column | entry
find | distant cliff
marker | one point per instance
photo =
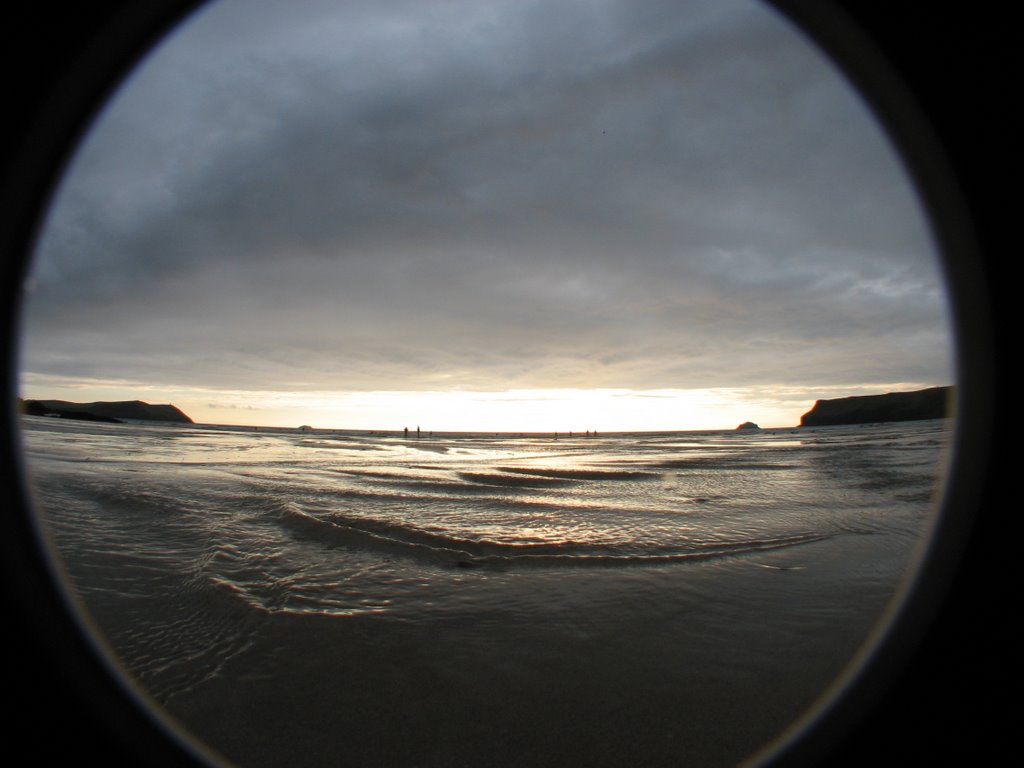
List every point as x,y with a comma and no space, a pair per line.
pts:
934,403
125,410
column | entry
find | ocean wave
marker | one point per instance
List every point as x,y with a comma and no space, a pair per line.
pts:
584,474
623,556
445,548
533,480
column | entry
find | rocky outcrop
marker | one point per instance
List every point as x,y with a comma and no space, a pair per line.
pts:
933,403
125,410
748,425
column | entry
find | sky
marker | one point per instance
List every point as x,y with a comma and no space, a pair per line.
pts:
514,215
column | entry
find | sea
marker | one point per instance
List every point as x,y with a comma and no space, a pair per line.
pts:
317,597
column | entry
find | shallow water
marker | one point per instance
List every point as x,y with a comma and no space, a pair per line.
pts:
648,598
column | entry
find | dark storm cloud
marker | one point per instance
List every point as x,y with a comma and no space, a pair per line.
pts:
418,196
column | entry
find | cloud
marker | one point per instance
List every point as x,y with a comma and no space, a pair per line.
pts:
487,196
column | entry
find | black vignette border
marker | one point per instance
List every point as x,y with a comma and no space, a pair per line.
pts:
955,60
59,65
941,699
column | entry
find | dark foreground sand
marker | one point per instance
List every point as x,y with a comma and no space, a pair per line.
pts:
682,665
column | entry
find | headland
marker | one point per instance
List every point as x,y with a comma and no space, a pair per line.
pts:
114,412
932,403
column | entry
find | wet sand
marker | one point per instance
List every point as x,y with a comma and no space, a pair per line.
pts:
697,665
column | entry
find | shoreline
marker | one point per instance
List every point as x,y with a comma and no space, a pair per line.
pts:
227,576
508,435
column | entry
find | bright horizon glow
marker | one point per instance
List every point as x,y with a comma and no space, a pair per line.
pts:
485,217
521,410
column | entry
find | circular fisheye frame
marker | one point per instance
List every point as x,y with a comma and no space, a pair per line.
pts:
78,697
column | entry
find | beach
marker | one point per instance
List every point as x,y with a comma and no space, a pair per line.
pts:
296,599
621,676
